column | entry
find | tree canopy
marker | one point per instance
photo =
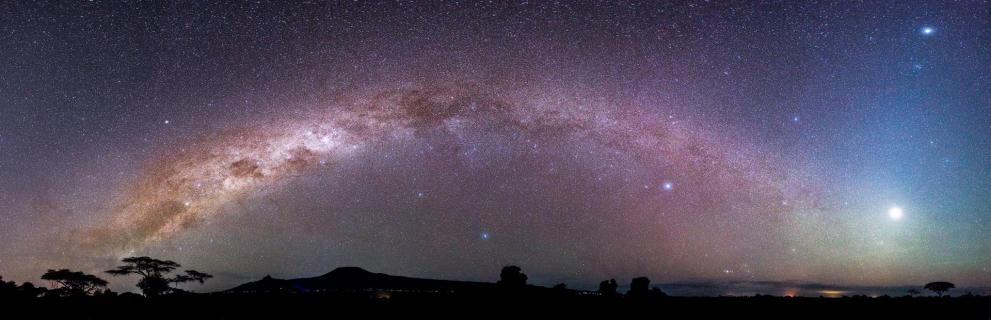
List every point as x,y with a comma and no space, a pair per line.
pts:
154,280
512,276
939,287
144,266
71,283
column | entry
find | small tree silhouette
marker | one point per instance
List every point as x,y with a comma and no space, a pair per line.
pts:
154,281
939,287
607,288
912,292
512,277
29,290
7,286
106,293
73,283
639,288
10,289
656,292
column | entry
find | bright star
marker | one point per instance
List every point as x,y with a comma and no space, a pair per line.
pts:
485,235
927,30
895,213
667,186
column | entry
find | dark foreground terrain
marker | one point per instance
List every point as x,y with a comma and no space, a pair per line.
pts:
351,292
325,306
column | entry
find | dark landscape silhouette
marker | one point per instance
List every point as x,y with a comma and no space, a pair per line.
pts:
347,290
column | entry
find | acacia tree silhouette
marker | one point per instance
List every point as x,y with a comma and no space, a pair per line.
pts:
939,287
191,275
154,281
73,283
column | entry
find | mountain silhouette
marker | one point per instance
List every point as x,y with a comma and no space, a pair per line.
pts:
351,279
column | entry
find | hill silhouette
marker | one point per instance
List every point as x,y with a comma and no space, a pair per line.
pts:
355,279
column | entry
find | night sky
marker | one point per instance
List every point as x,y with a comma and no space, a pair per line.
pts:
730,146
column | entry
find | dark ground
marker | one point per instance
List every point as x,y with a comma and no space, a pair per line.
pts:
493,306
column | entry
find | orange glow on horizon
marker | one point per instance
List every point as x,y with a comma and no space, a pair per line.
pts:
832,293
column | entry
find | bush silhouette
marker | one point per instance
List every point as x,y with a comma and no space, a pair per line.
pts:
607,288
656,292
29,290
512,277
7,286
10,289
639,288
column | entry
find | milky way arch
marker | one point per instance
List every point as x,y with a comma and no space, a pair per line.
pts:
179,191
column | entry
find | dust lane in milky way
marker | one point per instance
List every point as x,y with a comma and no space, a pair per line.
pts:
179,191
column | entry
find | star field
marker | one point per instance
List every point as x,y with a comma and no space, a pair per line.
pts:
803,142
